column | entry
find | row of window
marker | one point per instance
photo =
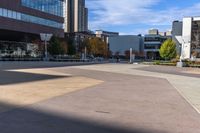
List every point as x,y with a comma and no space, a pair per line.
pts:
154,39
149,46
29,18
54,7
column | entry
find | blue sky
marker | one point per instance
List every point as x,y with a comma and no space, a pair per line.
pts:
137,16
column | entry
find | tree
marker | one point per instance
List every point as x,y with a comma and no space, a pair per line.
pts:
84,45
168,49
58,46
64,47
127,54
97,47
54,47
71,47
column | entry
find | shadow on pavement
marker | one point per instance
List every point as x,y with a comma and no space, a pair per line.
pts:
26,120
8,77
39,64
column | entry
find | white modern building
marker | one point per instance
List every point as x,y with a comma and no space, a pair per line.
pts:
190,38
101,33
104,35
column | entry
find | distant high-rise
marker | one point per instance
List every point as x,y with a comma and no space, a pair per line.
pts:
76,16
177,27
85,19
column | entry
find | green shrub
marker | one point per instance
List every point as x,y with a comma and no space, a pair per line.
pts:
168,50
168,64
175,60
156,63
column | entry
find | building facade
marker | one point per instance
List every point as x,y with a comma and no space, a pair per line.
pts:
76,16
31,16
190,38
177,31
152,44
153,32
103,34
119,45
22,21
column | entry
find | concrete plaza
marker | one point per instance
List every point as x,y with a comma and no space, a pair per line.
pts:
39,97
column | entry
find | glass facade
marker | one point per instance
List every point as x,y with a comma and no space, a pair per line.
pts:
153,42
54,7
29,18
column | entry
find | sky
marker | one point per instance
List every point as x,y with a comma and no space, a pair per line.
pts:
132,17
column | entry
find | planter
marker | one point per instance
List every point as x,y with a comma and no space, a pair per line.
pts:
181,64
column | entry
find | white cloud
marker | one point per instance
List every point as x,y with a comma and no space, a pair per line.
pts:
123,12
118,12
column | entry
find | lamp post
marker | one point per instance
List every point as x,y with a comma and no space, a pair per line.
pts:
131,55
180,46
45,38
85,53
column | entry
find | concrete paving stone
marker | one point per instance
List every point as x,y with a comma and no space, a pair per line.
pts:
123,99
23,94
184,83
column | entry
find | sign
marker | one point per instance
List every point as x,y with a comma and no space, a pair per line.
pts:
45,36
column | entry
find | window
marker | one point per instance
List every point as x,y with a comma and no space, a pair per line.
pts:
14,15
29,18
9,14
54,7
4,12
1,12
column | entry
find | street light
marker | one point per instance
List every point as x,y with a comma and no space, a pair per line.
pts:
85,53
45,38
131,55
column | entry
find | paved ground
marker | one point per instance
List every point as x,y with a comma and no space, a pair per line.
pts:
189,72
108,98
186,84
